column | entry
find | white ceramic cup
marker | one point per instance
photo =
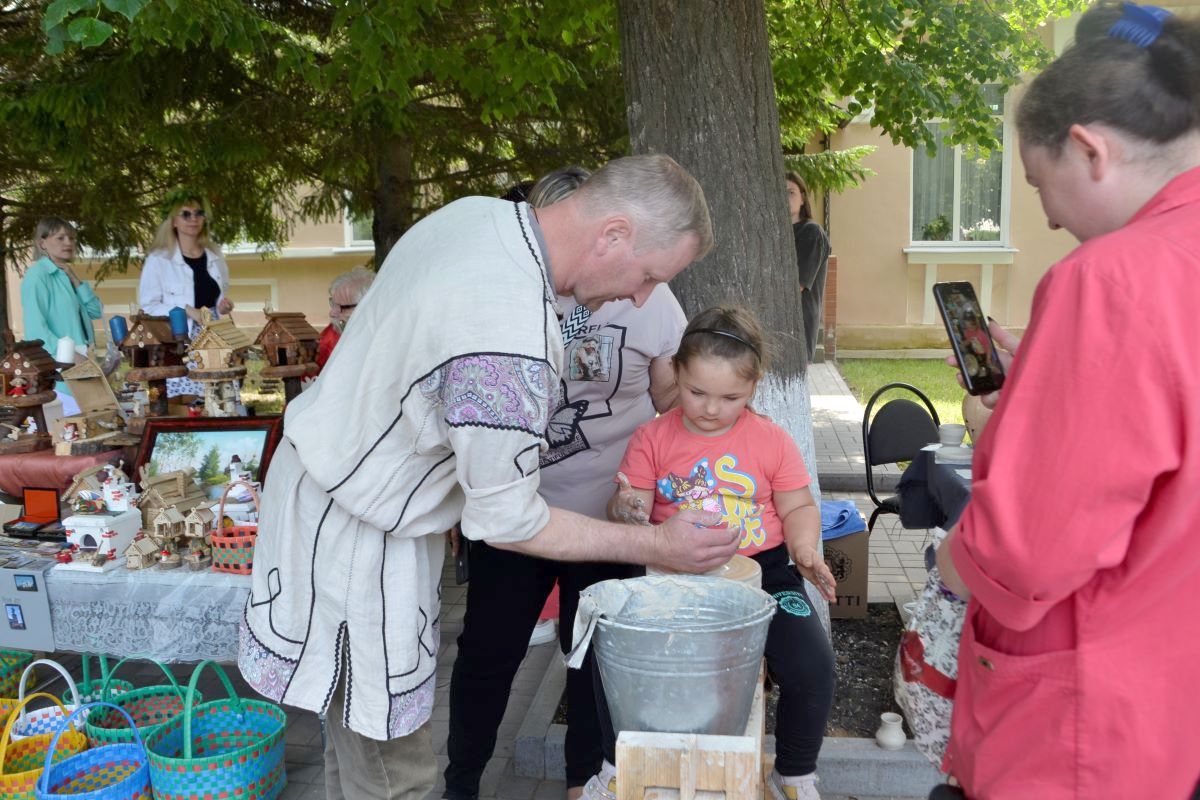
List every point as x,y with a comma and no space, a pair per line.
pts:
951,435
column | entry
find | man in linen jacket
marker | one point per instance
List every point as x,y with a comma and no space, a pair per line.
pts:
433,410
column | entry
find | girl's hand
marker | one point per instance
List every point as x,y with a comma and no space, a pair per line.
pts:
1006,346
627,507
815,570
224,305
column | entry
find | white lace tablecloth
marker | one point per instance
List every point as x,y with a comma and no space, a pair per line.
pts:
175,615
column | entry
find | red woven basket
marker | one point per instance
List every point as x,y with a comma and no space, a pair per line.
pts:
233,547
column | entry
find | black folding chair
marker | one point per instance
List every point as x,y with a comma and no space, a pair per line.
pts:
897,433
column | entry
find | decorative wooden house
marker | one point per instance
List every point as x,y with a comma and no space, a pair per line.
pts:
150,343
90,481
177,490
99,421
287,340
27,377
142,552
168,527
220,345
198,524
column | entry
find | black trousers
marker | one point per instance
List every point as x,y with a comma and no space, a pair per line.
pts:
505,596
800,662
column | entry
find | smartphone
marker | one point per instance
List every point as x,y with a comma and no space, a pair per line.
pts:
978,360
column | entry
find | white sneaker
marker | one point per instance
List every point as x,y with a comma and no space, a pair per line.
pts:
602,785
803,787
543,633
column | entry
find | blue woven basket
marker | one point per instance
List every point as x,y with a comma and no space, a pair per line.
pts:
223,748
111,772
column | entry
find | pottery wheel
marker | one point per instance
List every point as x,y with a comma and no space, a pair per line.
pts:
741,569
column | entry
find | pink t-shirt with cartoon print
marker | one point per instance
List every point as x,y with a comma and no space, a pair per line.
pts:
736,473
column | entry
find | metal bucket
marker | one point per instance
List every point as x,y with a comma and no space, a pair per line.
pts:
680,653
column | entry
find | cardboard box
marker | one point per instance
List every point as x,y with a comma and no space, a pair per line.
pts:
849,560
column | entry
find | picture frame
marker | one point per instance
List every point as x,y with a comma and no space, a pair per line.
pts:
208,445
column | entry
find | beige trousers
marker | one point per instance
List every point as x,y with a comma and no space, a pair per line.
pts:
361,768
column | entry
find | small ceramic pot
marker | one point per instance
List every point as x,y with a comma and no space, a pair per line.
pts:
890,735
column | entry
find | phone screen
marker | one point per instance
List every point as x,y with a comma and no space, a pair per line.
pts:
973,346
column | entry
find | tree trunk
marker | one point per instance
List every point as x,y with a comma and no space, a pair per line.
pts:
5,322
698,87
393,194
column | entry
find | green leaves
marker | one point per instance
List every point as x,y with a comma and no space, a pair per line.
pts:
126,8
89,31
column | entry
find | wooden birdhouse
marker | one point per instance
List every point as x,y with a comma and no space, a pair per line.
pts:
220,345
100,421
168,526
27,376
198,523
288,340
142,552
150,343
177,490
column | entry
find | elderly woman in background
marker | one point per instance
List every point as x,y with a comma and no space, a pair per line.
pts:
55,303
345,292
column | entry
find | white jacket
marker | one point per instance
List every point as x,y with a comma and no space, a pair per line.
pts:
167,281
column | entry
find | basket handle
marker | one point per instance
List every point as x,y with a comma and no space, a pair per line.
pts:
12,720
108,678
44,779
221,512
189,701
66,676
101,659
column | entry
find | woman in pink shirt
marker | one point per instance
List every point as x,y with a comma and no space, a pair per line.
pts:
1078,550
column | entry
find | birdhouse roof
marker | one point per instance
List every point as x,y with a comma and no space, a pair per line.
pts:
90,387
30,357
223,334
201,514
286,326
142,545
88,479
171,514
170,488
147,330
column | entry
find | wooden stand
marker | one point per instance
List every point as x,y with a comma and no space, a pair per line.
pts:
156,378
220,391
688,766
290,374
24,407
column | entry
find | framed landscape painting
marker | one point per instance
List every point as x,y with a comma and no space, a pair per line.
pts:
209,446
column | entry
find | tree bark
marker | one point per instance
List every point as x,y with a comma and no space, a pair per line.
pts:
5,322
698,87
393,194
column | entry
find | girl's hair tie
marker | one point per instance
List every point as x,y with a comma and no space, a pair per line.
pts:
728,334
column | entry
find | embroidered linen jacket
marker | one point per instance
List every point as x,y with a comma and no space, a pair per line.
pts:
432,409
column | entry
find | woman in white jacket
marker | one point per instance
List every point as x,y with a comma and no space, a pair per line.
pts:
184,269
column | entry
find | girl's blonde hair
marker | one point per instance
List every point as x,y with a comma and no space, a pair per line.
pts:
732,333
165,240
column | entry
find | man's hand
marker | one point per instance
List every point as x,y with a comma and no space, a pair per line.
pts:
455,537
627,507
682,546
1006,346
815,570
224,306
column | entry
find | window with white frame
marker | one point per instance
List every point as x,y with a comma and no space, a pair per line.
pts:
958,194
358,230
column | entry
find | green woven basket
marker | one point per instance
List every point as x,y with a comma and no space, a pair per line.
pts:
12,664
151,707
232,747
91,690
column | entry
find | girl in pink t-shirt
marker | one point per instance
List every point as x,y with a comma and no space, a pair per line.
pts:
713,453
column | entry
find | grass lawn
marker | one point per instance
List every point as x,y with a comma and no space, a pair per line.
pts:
931,376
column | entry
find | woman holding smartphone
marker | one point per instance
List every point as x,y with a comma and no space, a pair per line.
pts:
1078,550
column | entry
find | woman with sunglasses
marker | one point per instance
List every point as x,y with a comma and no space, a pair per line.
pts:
184,268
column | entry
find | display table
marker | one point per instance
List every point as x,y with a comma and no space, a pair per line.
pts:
166,615
43,469
932,495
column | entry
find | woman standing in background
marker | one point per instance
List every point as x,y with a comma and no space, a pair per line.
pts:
812,259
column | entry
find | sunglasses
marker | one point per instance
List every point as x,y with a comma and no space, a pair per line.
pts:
187,213
341,307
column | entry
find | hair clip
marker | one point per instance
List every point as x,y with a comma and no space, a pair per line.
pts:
1139,25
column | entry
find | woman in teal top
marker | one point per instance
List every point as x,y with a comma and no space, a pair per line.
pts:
53,299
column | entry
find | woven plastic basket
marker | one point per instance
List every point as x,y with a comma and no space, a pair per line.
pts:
12,664
91,689
149,706
111,772
21,763
231,747
49,719
233,547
